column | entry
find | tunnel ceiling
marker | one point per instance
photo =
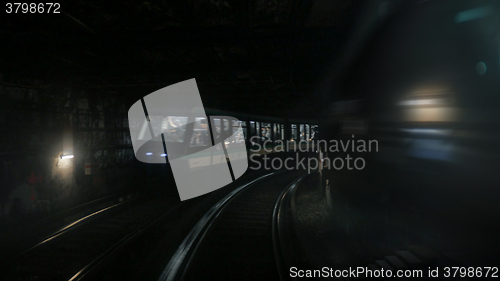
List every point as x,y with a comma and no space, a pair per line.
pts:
261,57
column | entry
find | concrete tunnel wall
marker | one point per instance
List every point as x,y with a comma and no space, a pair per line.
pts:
39,123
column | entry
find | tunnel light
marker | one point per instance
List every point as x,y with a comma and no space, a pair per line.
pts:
67,156
473,14
427,131
421,102
163,155
149,153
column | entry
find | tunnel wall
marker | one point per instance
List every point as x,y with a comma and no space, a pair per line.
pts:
41,122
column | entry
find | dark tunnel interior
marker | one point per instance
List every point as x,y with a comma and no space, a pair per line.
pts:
250,140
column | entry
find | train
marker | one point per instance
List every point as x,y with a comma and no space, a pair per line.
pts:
191,134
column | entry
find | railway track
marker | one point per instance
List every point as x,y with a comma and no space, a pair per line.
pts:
73,252
14,239
242,229
239,238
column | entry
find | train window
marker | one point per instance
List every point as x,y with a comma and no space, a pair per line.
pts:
266,131
172,127
257,130
282,131
236,136
252,129
307,132
236,124
294,132
244,129
217,128
227,130
277,131
314,131
200,136
302,132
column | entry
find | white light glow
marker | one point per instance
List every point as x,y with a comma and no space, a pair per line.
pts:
67,156
163,155
427,131
420,102
149,153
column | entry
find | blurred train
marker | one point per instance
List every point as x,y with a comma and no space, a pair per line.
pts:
426,85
